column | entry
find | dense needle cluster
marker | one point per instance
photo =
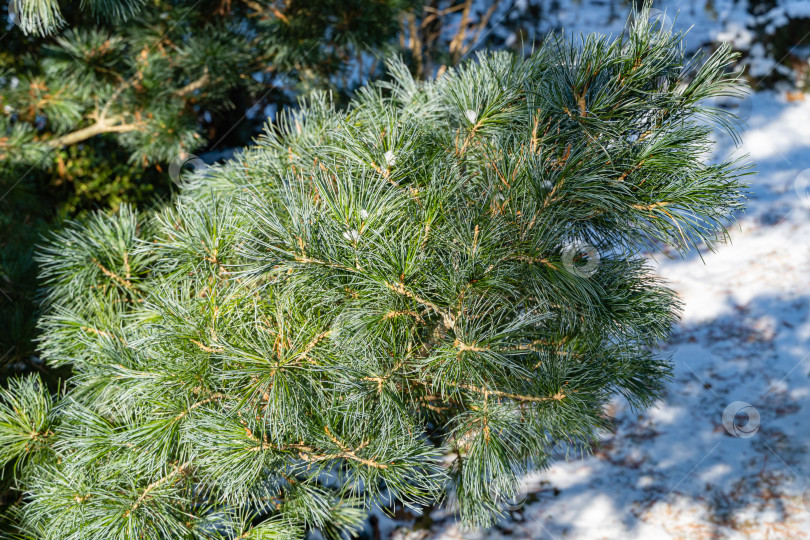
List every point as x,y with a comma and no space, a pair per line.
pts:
417,299
92,114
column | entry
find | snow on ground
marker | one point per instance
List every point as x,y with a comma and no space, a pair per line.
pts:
746,24
708,21
675,471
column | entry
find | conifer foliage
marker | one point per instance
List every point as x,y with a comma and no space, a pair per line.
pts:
163,79
417,299
92,113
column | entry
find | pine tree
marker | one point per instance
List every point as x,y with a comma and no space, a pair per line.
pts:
417,299
92,113
98,97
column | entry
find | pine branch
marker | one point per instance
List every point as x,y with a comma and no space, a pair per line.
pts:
179,469
98,128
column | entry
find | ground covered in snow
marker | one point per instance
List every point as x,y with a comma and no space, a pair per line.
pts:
675,471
